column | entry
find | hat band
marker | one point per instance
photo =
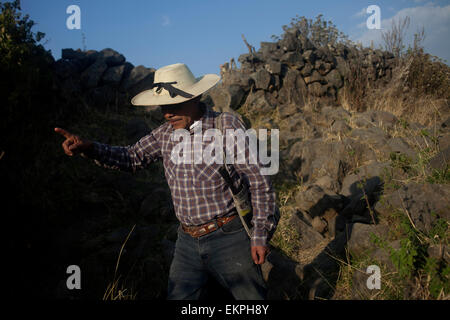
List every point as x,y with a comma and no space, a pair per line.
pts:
173,92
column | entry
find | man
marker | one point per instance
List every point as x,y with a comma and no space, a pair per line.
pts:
211,238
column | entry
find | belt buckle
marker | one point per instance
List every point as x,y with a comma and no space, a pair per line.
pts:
208,228
205,229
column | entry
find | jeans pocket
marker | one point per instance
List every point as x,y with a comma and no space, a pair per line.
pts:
232,227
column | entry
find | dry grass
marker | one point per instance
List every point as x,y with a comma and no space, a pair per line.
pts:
285,237
393,287
403,101
116,289
418,89
419,283
306,256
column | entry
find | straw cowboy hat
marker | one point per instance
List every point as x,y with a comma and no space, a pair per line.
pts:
173,84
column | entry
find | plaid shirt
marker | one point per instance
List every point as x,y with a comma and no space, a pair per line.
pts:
199,192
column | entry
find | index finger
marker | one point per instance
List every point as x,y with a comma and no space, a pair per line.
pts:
63,132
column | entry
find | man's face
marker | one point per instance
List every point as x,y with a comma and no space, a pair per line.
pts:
181,115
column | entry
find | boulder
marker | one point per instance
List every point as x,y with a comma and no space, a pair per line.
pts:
227,98
425,203
113,75
319,224
249,59
262,79
325,54
362,238
274,67
366,180
360,277
293,59
82,59
398,145
441,161
137,75
439,252
375,117
315,77
327,183
358,151
235,77
65,68
373,136
373,169
446,123
286,110
332,113
334,78
257,103
267,48
309,237
90,78
323,67
111,57
315,158
359,191
315,201
317,90
307,70
444,141
343,66
294,127
340,127
310,56
293,89
71,54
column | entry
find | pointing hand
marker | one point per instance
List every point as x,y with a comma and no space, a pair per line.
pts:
73,144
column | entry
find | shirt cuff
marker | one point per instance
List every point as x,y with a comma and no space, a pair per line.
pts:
259,237
94,152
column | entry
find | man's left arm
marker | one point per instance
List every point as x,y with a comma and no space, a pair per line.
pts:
262,197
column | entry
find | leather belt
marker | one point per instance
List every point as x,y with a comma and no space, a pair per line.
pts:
201,230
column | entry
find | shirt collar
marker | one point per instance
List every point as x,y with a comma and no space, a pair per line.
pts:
207,119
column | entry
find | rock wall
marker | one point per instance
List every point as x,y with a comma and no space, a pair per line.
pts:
102,77
292,71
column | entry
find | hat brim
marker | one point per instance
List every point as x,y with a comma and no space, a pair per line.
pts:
151,99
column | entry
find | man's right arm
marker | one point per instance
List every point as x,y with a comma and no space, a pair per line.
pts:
128,158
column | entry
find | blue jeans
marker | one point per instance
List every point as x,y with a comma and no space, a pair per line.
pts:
224,254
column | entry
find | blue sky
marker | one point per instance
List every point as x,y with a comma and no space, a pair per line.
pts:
206,33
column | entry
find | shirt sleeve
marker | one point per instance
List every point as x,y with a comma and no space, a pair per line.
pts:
260,187
126,158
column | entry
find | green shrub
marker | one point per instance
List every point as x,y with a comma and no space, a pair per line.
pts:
319,31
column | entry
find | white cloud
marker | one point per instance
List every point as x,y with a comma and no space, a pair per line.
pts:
435,20
361,13
165,21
